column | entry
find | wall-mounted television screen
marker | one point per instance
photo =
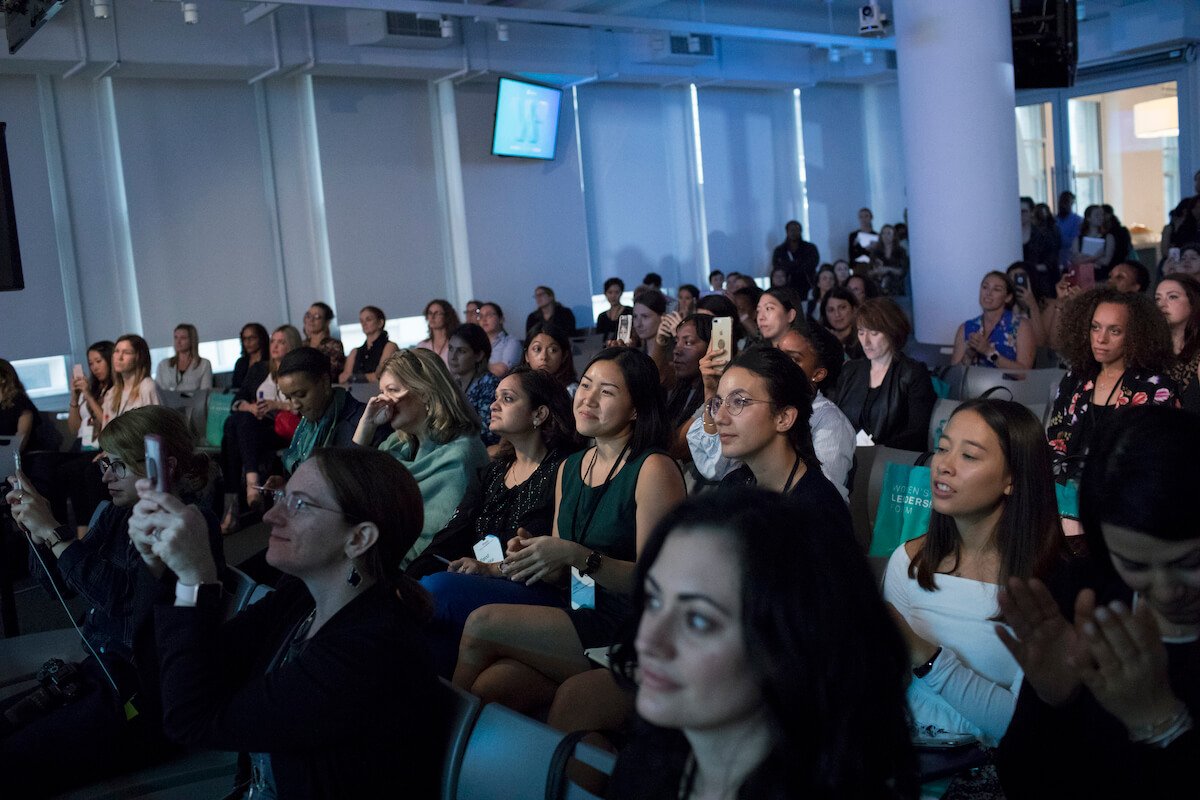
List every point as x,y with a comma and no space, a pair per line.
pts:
526,120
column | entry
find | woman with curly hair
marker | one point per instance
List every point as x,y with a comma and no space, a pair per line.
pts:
1178,298
1119,349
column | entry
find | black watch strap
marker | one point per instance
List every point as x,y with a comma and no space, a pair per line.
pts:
594,560
64,534
924,669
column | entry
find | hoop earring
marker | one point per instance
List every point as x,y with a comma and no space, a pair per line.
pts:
354,579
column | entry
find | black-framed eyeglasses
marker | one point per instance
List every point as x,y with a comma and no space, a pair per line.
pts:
734,404
292,503
118,467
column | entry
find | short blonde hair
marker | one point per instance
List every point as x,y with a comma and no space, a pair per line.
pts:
126,436
425,374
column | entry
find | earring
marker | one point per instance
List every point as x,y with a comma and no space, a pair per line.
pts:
354,579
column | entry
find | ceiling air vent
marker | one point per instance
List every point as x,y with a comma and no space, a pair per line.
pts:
397,29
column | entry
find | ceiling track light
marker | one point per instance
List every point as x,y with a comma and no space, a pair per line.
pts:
191,14
447,27
101,9
835,55
502,31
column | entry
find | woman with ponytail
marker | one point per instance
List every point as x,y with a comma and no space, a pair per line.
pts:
314,681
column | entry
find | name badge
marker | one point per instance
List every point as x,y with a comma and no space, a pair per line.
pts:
863,439
488,549
583,590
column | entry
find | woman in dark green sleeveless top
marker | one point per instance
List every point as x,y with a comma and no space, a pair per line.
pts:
608,498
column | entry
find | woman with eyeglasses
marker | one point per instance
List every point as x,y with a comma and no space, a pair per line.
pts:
761,412
440,319
317,320
92,736
326,683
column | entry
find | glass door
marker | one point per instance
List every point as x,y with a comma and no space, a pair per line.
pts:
1035,152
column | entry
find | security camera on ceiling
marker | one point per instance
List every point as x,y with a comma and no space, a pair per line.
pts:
871,21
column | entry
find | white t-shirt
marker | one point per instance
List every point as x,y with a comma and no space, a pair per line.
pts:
974,682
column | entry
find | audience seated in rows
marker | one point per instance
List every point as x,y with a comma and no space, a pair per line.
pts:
185,371
997,337
326,683
317,321
116,723
886,394
607,500
994,517
506,349
738,596
470,350
1119,349
431,430
363,363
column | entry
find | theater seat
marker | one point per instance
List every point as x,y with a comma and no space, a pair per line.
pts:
464,711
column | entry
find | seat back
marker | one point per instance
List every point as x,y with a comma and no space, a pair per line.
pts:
240,586
193,404
363,391
1030,386
257,593
464,710
942,410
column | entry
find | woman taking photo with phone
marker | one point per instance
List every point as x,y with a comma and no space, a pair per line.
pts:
325,684
735,595
997,337
115,725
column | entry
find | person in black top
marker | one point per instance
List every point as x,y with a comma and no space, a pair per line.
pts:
254,351
1040,248
1111,693
761,412
767,664
550,310
606,322
115,725
886,394
326,683
363,363
798,257
18,414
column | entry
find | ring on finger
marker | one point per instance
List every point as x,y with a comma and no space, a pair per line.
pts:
157,535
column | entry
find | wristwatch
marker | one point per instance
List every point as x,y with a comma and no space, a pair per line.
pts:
202,594
64,534
923,670
994,357
594,560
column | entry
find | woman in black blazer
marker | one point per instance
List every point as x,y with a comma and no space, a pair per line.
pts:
886,394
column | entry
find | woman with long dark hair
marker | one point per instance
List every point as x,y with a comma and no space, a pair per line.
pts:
1178,298
1110,651
607,500
767,667
441,319
995,516
548,348
254,341
363,363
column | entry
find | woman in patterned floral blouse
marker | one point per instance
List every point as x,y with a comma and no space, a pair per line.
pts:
1119,349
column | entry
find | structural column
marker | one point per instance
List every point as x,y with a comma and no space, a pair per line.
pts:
958,130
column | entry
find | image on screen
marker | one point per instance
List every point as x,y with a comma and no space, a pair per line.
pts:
526,120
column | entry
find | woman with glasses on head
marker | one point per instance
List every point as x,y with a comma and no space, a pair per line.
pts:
115,725
317,320
185,371
607,500
326,683
363,363
430,430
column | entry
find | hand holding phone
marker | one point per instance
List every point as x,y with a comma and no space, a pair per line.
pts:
625,329
722,338
157,469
